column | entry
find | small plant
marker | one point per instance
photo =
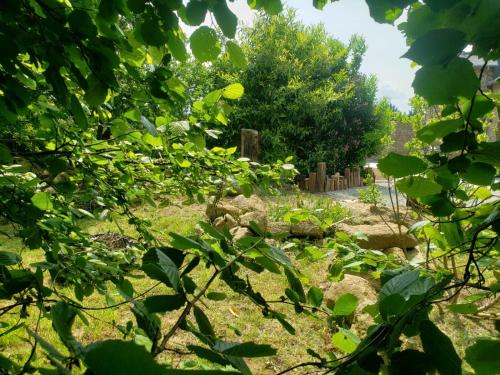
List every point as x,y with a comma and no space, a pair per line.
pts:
296,208
372,194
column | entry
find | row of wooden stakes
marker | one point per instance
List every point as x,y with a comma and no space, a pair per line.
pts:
319,181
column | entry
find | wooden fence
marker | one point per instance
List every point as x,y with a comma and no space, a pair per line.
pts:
320,182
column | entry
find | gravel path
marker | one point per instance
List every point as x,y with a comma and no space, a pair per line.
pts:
352,194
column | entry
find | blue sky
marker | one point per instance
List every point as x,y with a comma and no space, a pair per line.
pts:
385,43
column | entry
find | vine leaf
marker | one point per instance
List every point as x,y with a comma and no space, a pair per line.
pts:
157,265
443,85
416,186
345,305
205,44
120,357
439,349
484,356
226,19
396,165
437,47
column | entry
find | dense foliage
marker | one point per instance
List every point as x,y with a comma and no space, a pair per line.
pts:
304,92
92,124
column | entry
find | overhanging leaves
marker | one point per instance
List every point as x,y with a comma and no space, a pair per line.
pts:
443,85
439,349
396,165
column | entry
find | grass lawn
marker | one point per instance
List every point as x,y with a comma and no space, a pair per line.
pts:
234,318
234,313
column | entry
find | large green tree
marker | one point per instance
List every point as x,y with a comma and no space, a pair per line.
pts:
304,92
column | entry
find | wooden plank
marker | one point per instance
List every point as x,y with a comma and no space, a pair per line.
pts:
328,185
250,147
306,184
347,176
312,182
321,176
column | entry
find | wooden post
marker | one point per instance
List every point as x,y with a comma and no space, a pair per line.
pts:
312,182
347,175
358,176
328,184
353,178
336,181
250,147
306,184
321,176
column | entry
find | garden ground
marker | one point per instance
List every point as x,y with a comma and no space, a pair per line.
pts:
236,319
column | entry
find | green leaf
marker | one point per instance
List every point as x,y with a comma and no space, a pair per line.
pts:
78,113
273,7
204,324
484,356
196,11
205,44
63,317
96,93
396,165
226,19
295,284
479,174
437,47
319,4
409,362
463,308
152,34
157,265
416,186
184,243
8,258
136,6
81,23
443,85
42,201
115,357
246,349
398,284
233,91
431,132
176,46
315,296
236,55
164,303
149,126
5,156
345,305
488,152
387,11
345,340
480,108
439,349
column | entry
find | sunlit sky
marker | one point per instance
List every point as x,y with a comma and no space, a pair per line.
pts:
385,43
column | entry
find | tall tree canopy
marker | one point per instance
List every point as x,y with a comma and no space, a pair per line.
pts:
304,92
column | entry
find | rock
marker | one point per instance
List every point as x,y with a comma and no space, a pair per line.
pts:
235,207
380,236
365,293
225,222
250,204
396,252
222,208
258,217
240,232
307,228
278,227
